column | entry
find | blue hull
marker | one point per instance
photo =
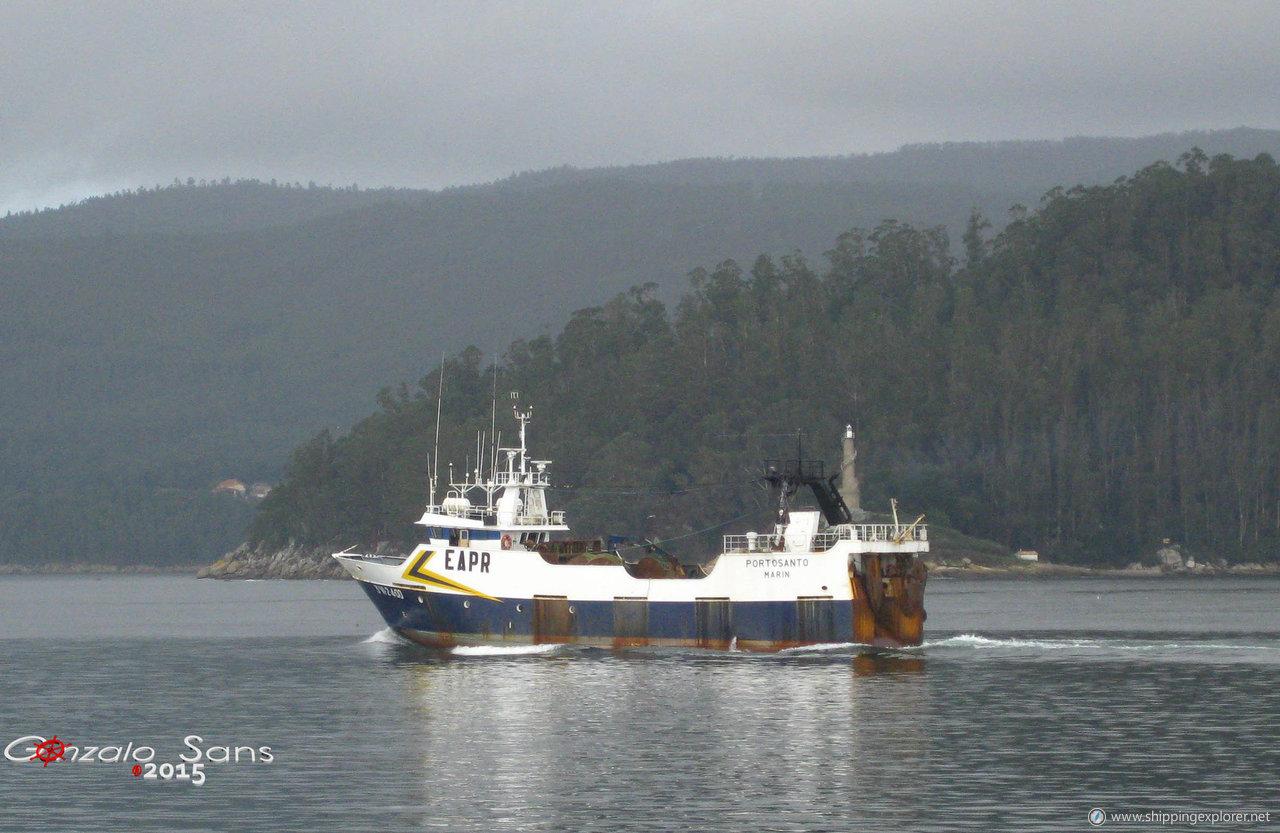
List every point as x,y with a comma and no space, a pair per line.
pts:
444,620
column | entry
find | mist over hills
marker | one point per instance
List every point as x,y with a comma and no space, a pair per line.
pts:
157,341
991,176
1021,167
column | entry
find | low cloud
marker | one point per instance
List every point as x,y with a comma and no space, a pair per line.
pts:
105,96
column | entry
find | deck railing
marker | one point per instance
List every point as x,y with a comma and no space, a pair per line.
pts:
752,542
825,540
487,516
556,517
515,478
474,513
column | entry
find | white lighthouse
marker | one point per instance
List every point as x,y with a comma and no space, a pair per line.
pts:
849,490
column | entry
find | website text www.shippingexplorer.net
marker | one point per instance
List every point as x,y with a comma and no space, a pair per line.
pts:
1099,817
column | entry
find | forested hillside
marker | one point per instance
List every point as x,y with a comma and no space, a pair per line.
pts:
1100,376
156,342
197,207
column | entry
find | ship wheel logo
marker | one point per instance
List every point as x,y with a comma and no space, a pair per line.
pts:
50,750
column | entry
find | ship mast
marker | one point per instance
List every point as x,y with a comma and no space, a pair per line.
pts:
523,418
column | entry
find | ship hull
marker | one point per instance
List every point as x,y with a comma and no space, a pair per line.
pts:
447,619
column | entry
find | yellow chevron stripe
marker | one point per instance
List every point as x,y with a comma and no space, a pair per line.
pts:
418,572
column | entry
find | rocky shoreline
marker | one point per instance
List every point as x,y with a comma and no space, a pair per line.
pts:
1042,570
83,569
1169,560
292,562
298,563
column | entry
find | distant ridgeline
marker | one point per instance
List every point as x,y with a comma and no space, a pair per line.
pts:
1086,381
1101,376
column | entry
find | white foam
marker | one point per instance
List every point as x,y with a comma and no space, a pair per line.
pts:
821,648
972,640
501,650
387,636
975,641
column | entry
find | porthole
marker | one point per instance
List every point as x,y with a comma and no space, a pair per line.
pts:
466,603
519,608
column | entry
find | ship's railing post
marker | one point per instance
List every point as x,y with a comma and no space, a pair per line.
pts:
754,542
885,532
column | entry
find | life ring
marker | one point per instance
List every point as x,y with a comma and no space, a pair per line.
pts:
506,542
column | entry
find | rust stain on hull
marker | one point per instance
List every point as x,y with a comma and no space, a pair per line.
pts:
888,600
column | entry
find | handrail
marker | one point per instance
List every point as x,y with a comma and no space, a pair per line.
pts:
482,513
887,533
515,478
475,513
556,517
754,543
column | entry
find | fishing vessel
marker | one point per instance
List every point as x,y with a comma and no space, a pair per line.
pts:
497,566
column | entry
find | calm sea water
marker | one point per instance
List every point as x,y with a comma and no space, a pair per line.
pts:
1030,704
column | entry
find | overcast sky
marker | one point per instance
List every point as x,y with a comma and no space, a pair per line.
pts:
99,96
